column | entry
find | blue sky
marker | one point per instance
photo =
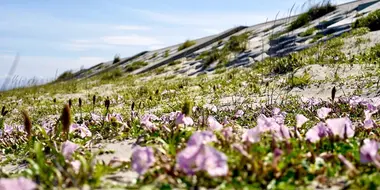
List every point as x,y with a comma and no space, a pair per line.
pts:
54,35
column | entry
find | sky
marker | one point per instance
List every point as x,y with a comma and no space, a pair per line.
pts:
53,36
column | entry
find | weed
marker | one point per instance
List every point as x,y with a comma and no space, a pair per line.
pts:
135,65
372,21
116,59
313,13
308,32
185,45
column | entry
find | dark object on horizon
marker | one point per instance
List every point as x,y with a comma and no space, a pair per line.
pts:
80,102
27,123
107,103
94,100
55,100
133,106
3,111
65,119
70,103
333,92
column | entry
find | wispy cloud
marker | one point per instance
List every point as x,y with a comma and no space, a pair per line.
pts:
206,19
132,27
130,40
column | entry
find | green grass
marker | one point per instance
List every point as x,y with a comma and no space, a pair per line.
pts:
316,38
187,44
116,59
112,75
166,53
135,65
371,21
313,13
308,32
65,76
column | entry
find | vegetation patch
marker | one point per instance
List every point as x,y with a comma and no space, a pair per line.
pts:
308,32
371,21
112,75
313,13
65,76
116,59
135,65
187,44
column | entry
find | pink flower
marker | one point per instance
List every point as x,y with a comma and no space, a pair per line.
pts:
201,137
323,112
213,124
239,113
202,158
317,132
252,135
17,184
301,119
142,159
68,148
368,152
342,127
182,119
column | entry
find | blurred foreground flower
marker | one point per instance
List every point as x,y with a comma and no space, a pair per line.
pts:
142,159
183,119
68,148
17,184
317,132
202,158
369,152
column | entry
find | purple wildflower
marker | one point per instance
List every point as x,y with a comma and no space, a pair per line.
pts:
68,148
201,137
142,159
323,112
17,184
83,130
301,119
213,124
355,100
202,158
317,132
266,124
341,126
368,122
252,135
8,129
369,152
183,119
